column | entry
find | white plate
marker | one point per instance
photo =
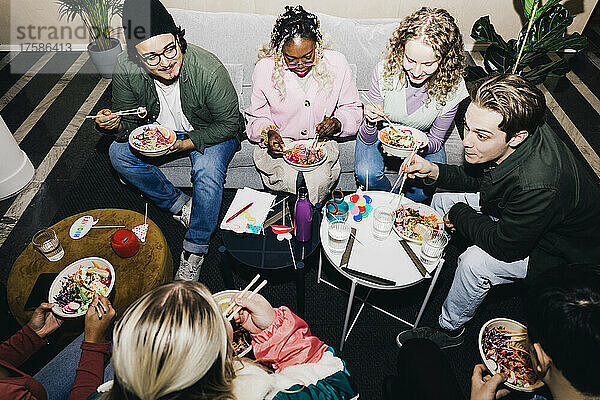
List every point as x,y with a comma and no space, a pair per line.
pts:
303,168
223,299
424,210
70,269
402,152
153,153
490,364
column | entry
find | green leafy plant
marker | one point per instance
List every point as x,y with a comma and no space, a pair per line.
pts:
544,32
96,15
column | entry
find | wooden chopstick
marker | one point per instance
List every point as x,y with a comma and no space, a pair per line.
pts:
239,308
381,115
242,294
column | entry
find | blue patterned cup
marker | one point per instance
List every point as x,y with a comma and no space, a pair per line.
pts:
339,213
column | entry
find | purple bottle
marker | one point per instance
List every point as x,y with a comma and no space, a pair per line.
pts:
303,216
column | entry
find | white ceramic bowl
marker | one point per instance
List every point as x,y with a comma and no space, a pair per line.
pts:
70,269
511,325
303,168
153,153
223,299
402,152
424,210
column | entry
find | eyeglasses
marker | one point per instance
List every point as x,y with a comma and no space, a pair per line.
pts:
170,52
306,60
294,66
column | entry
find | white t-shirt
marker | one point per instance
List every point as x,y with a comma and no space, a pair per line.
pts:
171,115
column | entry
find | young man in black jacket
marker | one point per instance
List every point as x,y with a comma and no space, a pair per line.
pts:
524,202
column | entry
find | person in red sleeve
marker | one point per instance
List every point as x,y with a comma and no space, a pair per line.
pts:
174,343
17,385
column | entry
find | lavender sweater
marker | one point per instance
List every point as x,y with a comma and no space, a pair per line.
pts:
416,97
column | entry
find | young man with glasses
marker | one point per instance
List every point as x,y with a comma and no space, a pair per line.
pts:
184,88
300,90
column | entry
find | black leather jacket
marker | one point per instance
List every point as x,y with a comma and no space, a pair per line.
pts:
547,205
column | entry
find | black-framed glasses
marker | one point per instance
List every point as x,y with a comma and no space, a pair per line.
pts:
170,52
306,60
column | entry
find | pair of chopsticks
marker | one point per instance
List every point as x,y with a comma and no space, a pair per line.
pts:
140,112
316,139
232,310
403,175
98,306
364,96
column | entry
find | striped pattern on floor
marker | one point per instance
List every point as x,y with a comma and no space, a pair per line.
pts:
45,108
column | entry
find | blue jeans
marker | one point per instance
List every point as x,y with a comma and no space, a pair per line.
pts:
477,271
207,174
368,159
58,375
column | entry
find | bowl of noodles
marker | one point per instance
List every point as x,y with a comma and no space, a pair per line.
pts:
400,141
74,287
242,342
504,348
303,156
412,220
152,140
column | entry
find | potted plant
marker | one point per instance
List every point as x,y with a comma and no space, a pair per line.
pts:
545,31
97,16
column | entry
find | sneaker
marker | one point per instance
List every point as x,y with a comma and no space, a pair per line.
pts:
186,211
442,339
189,270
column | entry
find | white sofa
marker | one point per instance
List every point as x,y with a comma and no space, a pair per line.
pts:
235,39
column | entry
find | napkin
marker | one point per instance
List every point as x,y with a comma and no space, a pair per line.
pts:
252,219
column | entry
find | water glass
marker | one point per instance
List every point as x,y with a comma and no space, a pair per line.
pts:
47,243
338,232
432,247
383,220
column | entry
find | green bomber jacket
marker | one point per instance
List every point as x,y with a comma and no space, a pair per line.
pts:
208,98
546,204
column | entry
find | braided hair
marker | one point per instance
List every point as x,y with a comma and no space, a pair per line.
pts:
294,23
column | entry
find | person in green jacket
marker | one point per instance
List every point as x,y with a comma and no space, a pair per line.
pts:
187,89
525,205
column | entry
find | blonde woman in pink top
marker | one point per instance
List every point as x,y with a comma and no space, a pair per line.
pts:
300,90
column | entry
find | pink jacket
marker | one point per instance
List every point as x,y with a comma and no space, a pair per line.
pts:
300,112
287,342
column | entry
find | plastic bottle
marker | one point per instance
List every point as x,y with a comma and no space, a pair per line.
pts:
303,216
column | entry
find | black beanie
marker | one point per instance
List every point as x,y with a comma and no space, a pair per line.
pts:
143,19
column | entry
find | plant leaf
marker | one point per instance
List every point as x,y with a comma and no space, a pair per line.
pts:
498,60
538,74
472,73
528,7
484,31
543,9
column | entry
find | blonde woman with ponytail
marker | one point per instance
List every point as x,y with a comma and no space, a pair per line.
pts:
173,343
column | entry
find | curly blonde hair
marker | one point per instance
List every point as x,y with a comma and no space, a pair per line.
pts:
436,27
294,23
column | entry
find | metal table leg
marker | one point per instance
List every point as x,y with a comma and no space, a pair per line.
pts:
300,290
431,285
226,272
348,311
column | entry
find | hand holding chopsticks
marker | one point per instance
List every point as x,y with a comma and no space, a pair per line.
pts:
140,112
228,314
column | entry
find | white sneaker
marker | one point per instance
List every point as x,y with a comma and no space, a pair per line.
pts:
186,211
189,270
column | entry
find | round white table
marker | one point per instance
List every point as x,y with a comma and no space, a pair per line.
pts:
385,259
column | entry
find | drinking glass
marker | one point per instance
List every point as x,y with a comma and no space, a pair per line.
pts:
432,247
383,220
338,232
47,243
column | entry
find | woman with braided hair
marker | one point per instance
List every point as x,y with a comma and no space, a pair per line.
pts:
300,90
418,84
